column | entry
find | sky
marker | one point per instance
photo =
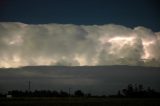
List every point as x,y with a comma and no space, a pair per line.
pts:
130,13
79,33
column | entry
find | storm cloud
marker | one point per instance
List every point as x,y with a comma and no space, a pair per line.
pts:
77,45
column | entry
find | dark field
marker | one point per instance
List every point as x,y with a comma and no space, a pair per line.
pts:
80,101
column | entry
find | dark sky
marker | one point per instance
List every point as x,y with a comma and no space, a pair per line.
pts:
130,13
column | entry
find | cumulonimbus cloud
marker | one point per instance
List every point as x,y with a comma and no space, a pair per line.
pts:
77,45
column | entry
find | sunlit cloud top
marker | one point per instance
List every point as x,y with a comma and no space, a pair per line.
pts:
77,45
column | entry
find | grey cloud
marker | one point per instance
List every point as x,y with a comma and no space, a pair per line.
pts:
73,45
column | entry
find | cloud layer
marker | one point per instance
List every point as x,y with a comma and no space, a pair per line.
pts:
77,45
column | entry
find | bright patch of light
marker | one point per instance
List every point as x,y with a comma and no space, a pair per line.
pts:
81,60
146,47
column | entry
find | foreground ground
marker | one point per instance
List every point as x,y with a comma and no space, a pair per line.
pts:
79,102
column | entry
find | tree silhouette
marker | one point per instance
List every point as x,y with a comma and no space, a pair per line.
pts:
138,91
63,94
130,91
79,93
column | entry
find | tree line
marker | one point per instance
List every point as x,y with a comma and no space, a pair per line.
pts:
137,91
44,93
130,91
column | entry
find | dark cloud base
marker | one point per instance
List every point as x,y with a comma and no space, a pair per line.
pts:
94,79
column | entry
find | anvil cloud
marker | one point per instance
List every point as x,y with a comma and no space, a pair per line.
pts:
77,45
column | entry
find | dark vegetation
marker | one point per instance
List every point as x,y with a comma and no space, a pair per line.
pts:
132,95
131,91
134,91
44,93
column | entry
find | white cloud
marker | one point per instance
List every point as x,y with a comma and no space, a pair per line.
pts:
58,44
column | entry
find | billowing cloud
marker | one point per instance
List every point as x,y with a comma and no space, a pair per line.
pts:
77,45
